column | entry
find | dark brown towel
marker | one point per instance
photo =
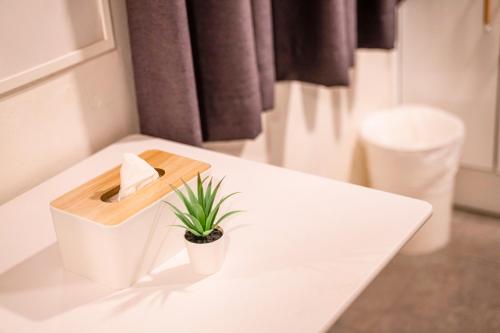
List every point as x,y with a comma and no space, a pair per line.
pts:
227,76
312,40
163,70
205,69
376,23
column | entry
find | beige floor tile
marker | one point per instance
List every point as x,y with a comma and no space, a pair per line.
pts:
456,289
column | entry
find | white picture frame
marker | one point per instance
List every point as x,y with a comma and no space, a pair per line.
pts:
66,60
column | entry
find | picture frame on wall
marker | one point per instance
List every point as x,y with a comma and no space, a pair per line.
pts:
49,37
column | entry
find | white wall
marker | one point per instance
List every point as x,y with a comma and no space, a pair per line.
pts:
449,60
314,129
57,121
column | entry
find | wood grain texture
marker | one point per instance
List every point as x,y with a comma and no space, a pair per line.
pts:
85,200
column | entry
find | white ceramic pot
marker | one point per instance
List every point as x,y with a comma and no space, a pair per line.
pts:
207,258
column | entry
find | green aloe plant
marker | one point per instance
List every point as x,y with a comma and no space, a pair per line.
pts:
201,217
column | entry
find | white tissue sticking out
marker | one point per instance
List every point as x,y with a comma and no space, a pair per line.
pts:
135,173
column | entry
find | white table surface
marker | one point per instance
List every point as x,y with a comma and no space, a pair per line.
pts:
303,251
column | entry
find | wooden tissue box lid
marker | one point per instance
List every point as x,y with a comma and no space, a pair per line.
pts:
86,200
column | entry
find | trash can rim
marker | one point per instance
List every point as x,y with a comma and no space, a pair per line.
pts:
366,138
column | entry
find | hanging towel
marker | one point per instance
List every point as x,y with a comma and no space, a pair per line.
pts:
163,70
226,65
376,23
205,69
314,40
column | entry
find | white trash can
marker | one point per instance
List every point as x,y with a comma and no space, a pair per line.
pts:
414,151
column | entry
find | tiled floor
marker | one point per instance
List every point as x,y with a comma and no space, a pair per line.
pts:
456,289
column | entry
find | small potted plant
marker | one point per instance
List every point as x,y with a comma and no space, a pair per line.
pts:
204,236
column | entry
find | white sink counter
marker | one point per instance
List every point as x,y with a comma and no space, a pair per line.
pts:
301,253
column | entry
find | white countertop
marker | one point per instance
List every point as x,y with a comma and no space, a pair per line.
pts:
303,251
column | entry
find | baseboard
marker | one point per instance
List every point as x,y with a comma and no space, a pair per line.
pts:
478,191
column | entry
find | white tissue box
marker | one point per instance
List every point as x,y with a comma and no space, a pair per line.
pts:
115,243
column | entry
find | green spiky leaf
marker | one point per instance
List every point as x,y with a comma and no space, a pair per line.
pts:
200,214
226,215
202,207
211,199
207,196
207,232
183,198
192,197
193,231
201,199
213,214
197,224
185,220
